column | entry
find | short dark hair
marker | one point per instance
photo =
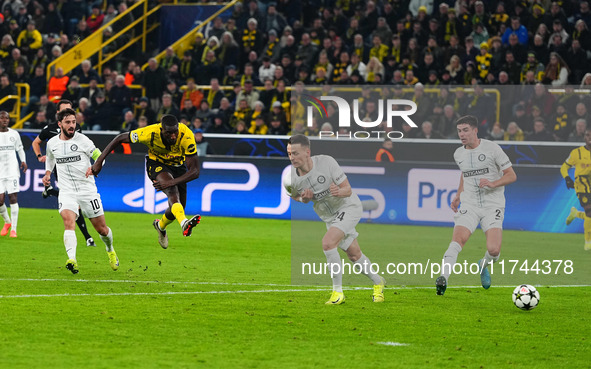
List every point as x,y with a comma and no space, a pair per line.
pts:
63,102
468,119
64,113
169,120
299,139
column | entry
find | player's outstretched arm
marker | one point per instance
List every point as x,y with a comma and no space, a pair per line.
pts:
115,143
192,162
564,172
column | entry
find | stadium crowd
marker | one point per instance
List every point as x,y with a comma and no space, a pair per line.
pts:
412,47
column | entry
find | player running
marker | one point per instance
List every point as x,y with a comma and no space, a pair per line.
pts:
171,162
580,158
46,133
321,180
486,170
10,142
70,153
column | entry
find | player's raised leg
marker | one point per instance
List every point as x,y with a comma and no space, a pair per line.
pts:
574,213
69,218
107,236
356,256
330,241
460,236
4,214
176,209
14,210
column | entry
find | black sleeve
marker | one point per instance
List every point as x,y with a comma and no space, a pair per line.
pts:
44,134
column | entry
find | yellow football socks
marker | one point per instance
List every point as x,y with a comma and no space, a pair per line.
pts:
164,222
179,212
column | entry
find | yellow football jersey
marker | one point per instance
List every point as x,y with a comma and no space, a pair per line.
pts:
580,158
173,155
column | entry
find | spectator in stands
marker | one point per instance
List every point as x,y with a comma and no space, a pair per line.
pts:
267,70
513,133
96,18
46,106
53,23
120,96
58,84
217,30
167,107
129,122
215,94
557,71
203,147
210,68
39,122
100,115
241,113
146,111
154,82
37,83
249,94
86,72
73,91
196,124
251,38
204,112
427,131
446,122
582,33
218,125
385,153
540,133
241,129
189,110
228,52
578,135
518,29
191,93
259,127
90,91
576,59
83,32
29,40
496,133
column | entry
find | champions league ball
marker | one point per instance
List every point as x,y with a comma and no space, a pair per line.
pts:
287,182
526,297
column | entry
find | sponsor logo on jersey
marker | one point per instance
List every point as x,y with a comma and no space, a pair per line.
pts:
322,194
6,147
158,169
191,148
476,172
69,159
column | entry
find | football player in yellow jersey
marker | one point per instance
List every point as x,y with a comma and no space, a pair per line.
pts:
580,158
171,162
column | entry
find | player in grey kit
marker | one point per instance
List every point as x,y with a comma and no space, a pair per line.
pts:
486,170
321,180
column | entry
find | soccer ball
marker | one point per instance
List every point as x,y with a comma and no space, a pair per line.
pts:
287,182
526,297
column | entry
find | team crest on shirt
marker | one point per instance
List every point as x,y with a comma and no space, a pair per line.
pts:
12,139
321,179
481,157
74,147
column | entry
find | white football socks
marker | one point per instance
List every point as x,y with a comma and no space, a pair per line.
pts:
490,259
365,264
108,240
332,257
14,216
4,214
70,243
449,258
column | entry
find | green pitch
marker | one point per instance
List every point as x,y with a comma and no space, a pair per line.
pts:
224,298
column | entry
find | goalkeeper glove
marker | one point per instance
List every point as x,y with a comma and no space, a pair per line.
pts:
569,182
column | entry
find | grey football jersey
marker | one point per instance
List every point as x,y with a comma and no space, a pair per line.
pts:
10,144
325,170
488,161
72,159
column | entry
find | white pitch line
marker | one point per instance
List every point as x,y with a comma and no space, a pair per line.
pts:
155,293
390,343
259,284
